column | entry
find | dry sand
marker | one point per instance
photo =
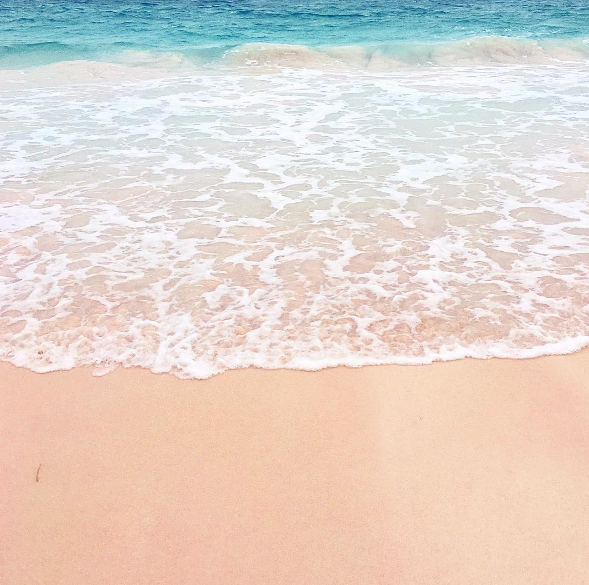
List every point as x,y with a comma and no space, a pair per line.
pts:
471,472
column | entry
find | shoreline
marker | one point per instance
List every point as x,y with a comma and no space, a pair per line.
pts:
573,345
471,471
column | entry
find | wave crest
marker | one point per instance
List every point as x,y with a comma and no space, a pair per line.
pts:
390,56
262,57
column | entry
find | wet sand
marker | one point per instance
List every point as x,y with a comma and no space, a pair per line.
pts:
470,472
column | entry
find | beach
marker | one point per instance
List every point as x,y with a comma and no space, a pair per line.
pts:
294,293
469,472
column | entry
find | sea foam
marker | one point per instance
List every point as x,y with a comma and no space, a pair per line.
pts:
205,220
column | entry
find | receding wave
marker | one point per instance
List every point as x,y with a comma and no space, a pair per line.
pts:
203,222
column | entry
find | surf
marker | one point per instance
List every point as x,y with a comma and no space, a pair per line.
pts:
380,57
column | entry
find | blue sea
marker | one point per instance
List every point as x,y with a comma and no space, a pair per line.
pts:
38,32
194,186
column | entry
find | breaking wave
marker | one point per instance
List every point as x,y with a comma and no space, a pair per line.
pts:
380,57
390,56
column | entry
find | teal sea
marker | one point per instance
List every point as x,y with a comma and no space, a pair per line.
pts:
39,32
193,186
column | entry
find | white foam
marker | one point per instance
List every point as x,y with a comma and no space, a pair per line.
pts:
210,221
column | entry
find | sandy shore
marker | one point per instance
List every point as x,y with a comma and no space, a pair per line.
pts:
471,472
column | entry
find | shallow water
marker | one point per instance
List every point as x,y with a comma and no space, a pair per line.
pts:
296,206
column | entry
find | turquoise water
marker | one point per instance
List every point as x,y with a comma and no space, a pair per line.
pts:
39,32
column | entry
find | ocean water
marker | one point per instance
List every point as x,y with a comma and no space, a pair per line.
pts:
196,186
39,32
